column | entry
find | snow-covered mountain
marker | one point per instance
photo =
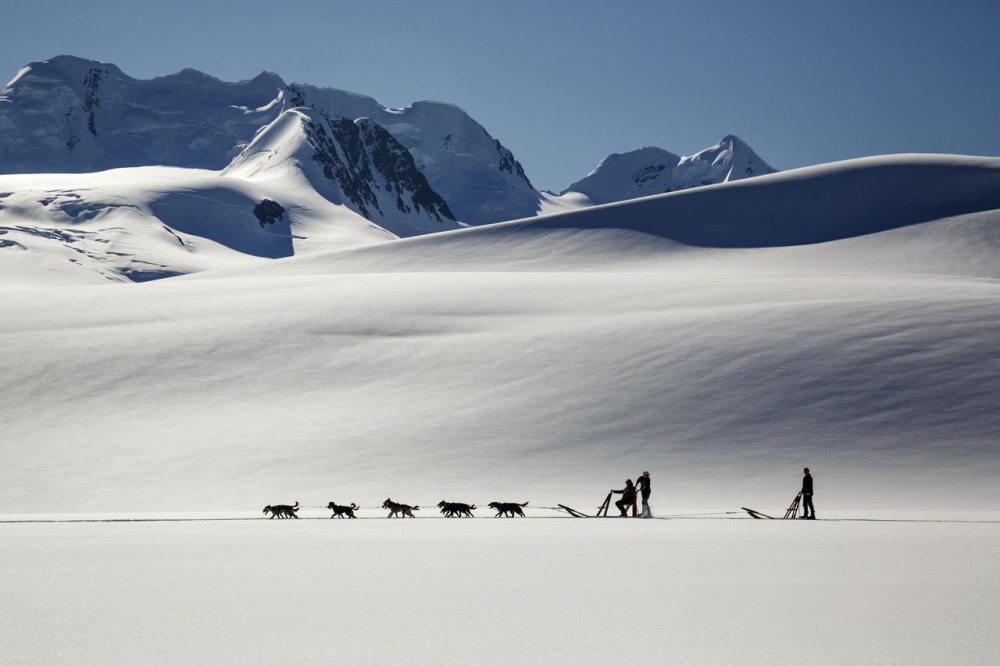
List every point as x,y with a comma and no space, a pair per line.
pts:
355,163
341,156
649,171
69,114
480,179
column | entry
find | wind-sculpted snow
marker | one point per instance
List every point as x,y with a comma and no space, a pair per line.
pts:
810,205
919,214
545,359
153,222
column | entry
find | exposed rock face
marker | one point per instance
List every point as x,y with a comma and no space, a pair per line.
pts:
372,170
355,163
268,212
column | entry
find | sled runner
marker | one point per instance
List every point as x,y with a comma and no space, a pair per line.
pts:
573,512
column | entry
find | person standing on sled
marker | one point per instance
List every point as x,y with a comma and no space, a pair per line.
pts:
628,497
808,510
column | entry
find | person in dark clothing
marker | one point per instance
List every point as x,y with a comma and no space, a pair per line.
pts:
643,482
628,497
808,510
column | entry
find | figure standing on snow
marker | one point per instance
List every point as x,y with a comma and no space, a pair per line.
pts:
808,510
643,482
628,497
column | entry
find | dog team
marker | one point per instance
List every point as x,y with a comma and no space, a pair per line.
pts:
397,510
461,510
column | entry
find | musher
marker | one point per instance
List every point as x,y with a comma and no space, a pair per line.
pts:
628,497
808,510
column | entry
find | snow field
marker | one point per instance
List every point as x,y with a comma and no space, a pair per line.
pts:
501,592
542,387
842,317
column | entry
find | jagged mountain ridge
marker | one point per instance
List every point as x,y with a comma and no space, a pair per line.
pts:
477,175
68,114
356,163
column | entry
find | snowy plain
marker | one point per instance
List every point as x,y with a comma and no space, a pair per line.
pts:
844,317
533,591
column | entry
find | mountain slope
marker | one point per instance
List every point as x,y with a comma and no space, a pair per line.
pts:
76,115
354,163
480,179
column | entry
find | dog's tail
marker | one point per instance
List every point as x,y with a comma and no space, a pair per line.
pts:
295,506
354,506
472,507
525,504
415,508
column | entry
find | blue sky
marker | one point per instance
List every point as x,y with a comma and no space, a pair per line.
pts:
563,84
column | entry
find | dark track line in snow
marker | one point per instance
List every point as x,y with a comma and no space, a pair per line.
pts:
200,520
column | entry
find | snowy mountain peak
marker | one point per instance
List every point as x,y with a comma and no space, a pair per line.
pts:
477,175
66,69
651,170
731,155
356,163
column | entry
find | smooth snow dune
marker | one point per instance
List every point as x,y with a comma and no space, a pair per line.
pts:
809,205
541,387
501,592
928,214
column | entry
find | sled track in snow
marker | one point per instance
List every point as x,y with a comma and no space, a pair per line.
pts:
30,521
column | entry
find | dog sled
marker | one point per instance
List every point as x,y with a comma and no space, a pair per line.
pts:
602,510
792,512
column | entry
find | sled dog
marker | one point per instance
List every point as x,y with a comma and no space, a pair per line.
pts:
282,510
395,508
507,509
341,511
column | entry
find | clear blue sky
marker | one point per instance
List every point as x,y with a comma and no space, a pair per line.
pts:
565,83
